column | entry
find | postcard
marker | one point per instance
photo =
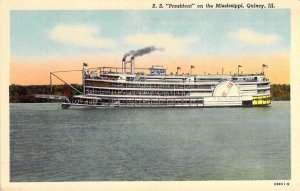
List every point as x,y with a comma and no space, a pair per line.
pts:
156,95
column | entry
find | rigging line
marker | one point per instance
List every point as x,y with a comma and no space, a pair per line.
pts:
65,83
66,71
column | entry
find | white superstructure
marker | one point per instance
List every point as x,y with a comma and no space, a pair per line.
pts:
107,87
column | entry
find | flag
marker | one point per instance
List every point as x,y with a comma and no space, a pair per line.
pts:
264,65
192,66
239,66
85,64
178,68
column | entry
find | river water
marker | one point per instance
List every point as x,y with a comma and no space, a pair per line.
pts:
125,144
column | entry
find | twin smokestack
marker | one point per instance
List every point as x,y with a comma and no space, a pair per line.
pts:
136,53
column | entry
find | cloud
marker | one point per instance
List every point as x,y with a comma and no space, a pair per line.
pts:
254,38
80,35
170,43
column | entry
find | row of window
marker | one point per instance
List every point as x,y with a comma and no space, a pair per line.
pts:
261,101
146,86
263,85
88,76
263,91
131,92
139,101
160,102
161,86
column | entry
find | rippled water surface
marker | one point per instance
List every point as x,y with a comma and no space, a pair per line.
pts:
117,144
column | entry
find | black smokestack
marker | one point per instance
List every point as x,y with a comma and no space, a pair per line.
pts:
141,52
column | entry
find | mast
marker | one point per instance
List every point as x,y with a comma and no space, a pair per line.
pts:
83,78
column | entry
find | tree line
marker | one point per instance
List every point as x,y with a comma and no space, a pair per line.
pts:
280,92
25,94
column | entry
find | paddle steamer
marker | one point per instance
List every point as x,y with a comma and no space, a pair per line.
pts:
124,87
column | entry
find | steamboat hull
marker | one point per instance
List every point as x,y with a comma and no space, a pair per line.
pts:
84,101
77,106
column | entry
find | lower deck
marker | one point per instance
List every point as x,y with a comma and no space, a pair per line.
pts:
93,102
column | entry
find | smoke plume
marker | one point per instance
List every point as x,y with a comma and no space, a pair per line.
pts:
141,52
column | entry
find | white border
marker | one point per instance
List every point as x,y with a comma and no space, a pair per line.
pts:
7,5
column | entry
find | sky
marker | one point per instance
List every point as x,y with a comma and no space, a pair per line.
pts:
45,41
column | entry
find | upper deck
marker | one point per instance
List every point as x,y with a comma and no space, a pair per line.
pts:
113,75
